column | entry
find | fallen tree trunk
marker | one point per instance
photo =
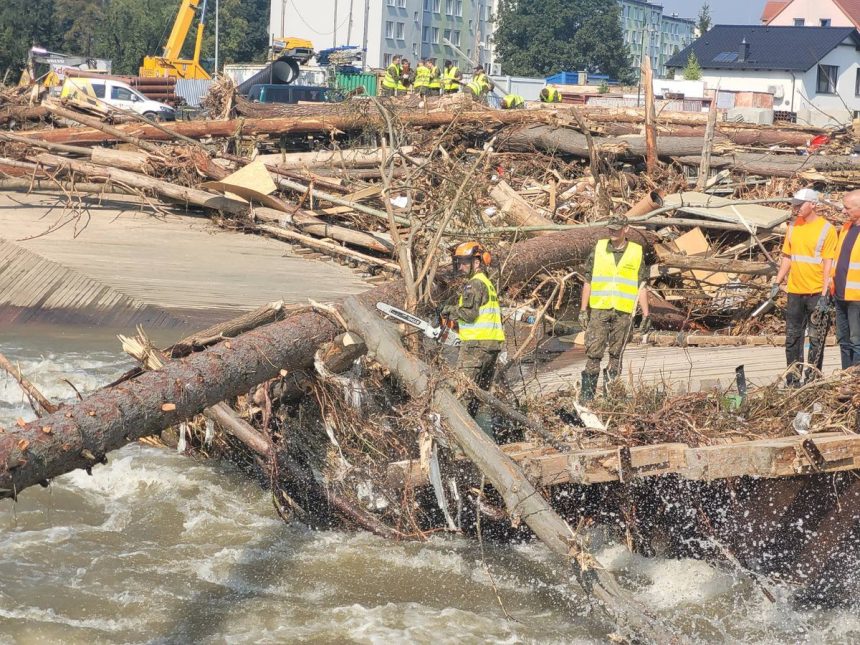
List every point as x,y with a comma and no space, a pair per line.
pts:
80,435
677,261
523,501
285,125
776,165
11,113
351,158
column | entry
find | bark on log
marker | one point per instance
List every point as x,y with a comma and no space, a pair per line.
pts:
22,113
776,165
201,198
81,434
107,130
286,125
523,501
678,261
351,158
518,210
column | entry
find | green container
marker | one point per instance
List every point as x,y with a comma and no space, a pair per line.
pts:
349,82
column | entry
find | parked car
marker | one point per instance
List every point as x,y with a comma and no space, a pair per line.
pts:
118,94
293,94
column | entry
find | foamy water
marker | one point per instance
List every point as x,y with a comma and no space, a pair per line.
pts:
156,547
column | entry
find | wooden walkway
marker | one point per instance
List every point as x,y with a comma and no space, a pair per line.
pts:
682,369
117,257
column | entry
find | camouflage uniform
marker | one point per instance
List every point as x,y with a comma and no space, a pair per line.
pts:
477,359
607,328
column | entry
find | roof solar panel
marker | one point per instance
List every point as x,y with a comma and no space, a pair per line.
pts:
726,57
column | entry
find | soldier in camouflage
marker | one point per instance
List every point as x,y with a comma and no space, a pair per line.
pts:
615,278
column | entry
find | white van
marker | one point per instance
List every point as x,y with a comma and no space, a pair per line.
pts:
117,94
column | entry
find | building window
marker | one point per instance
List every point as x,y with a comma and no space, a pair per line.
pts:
827,75
825,22
458,8
386,60
857,83
425,35
434,35
456,40
449,7
799,22
390,3
428,5
446,35
389,29
437,5
401,27
401,4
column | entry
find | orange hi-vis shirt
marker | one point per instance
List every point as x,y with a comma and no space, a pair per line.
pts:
809,244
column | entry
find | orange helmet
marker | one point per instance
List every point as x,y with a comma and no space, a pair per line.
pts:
469,250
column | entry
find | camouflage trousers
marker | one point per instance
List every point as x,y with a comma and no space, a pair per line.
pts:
607,328
478,364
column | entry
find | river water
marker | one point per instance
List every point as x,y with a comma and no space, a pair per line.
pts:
159,548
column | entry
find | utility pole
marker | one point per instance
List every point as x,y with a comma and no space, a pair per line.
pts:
217,33
334,27
349,25
283,18
364,35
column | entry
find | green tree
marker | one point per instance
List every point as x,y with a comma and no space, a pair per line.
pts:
23,23
704,20
693,71
541,37
131,29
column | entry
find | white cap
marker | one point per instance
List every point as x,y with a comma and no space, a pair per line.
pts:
805,195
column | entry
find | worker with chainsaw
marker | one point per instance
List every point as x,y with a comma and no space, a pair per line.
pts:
479,317
846,283
807,256
615,279
391,82
452,78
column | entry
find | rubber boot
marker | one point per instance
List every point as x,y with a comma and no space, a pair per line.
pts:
589,387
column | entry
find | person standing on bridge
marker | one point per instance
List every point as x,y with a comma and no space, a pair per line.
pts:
615,279
846,283
807,255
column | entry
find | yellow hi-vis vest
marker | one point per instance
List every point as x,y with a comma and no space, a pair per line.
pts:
422,77
512,101
615,287
478,85
553,96
450,74
488,324
391,80
435,82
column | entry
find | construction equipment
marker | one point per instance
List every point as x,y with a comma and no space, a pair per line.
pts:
291,52
170,62
56,62
443,333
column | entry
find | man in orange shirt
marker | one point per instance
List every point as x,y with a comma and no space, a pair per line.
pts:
807,256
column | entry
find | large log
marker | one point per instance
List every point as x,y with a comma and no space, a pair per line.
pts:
80,435
724,265
524,502
285,125
776,165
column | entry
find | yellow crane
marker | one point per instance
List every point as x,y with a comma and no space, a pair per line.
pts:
170,62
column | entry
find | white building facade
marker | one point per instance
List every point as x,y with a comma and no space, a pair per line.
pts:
411,28
816,13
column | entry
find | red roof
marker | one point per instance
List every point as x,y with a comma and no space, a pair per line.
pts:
772,8
851,8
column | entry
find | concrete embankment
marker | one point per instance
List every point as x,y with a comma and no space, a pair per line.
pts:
114,262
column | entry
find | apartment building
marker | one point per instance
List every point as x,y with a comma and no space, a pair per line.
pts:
411,28
649,32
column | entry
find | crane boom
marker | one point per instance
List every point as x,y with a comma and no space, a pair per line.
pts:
181,26
171,63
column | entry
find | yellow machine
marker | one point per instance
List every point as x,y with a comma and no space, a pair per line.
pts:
170,63
287,54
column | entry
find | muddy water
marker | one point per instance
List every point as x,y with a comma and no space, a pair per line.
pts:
156,547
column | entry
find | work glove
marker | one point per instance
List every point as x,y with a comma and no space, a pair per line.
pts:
583,318
449,311
645,325
774,290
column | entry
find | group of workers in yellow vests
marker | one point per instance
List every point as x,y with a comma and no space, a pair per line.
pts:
428,80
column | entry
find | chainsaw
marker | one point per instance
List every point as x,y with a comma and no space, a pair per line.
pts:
443,333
